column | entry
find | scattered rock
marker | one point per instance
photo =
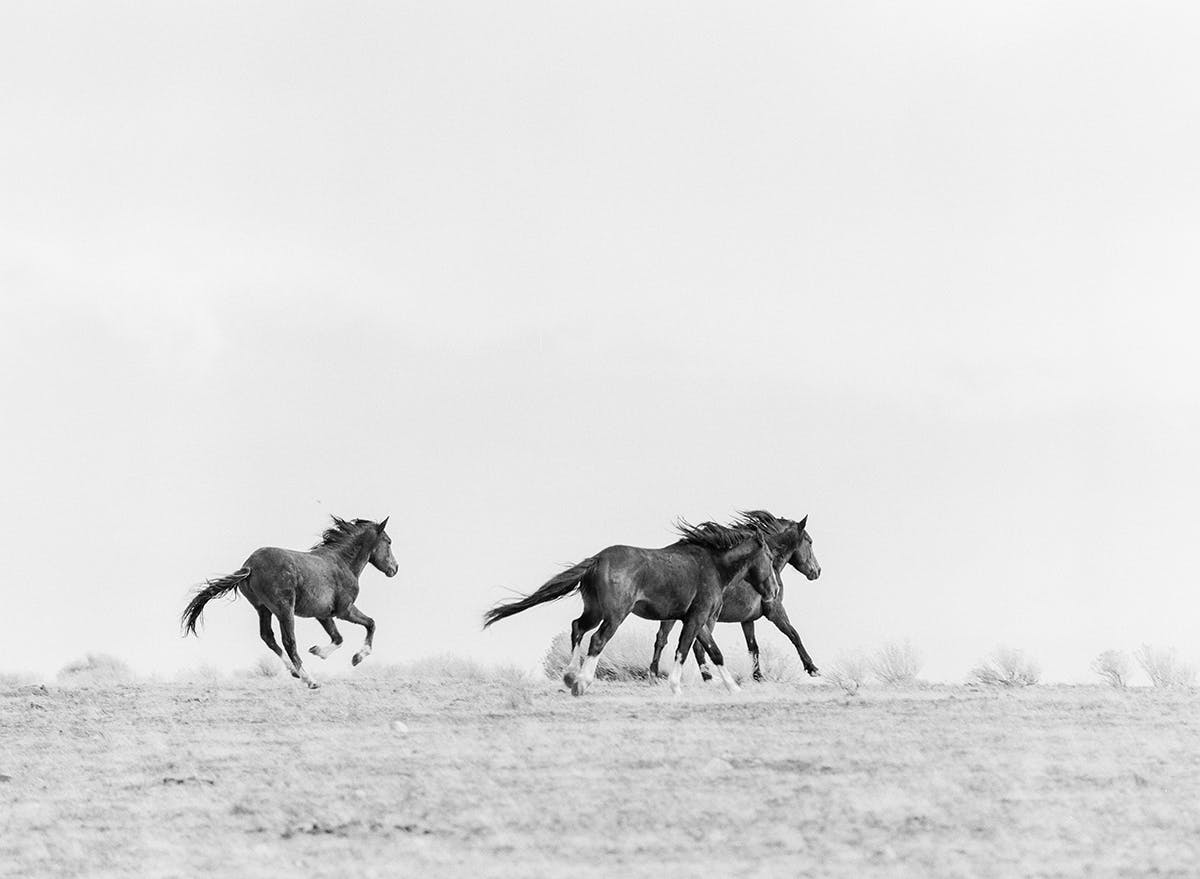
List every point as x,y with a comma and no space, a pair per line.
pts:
191,779
4,777
399,726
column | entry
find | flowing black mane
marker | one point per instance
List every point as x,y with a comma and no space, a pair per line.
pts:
767,523
711,535
343,536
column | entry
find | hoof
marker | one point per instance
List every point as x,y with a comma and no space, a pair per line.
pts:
676,691
758,678
705,678
357,658
316,651
294,673
313,685
578,688
570,677
813,672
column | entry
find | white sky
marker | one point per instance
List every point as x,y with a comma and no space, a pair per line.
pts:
535,279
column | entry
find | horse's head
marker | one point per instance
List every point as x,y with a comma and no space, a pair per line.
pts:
381,555
802,558
761,573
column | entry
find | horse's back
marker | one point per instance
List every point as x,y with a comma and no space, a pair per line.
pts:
656,583
305,577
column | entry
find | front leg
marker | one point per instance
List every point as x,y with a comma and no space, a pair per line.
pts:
691,625
660,641
335,639
353,615
776,614
752,648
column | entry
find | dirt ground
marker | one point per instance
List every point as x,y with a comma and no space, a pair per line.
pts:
382,776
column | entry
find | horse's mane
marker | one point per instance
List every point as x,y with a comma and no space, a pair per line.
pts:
711,535
767,523
342,535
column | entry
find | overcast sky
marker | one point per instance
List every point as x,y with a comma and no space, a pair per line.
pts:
534,279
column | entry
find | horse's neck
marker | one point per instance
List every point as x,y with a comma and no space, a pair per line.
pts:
356,560
733,563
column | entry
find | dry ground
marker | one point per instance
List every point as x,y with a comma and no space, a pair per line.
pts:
253,777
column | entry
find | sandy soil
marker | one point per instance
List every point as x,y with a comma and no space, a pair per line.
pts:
504,778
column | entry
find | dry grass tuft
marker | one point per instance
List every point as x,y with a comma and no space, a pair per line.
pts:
896,664
18,679
1007,667
849,671
96,668
1164,667
1113,667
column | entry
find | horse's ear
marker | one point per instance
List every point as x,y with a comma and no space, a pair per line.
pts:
383,524
803,522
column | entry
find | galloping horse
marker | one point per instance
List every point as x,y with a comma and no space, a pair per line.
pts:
684,581
744,605
321,583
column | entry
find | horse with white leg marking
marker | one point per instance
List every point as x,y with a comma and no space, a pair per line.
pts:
744,605
684,581
321,583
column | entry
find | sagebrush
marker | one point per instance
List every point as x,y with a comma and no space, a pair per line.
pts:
1007,667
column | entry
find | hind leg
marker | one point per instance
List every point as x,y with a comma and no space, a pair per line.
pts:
711,648
752,648
587,621
660,641
335,639
701,659
268,635
287,630
599,638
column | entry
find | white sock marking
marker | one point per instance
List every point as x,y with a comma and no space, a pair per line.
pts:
675,676
727,679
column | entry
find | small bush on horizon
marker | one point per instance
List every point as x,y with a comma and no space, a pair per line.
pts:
626,656
849,671
266,667
896,664
1113,668
96,668
1007,667
1164,667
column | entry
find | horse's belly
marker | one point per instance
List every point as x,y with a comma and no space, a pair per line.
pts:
658,610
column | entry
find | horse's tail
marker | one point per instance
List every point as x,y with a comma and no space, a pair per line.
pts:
555,588
206,593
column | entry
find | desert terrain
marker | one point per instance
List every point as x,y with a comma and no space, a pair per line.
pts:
381,773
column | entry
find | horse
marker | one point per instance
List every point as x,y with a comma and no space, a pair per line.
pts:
321,583
744,605
684,581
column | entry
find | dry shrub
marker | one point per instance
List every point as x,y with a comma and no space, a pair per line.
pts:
1164,667
516,687
849,671
896,664
1113,668
95,668
1007,667
265,667
626,656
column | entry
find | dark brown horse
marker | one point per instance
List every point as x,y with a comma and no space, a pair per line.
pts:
743,604
321,583
685,581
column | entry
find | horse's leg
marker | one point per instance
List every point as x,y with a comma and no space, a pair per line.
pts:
698,650
691,625
356,616
268,636
776,614
660,641
599,638
752,647
287,630
580,627
335,638
704,635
